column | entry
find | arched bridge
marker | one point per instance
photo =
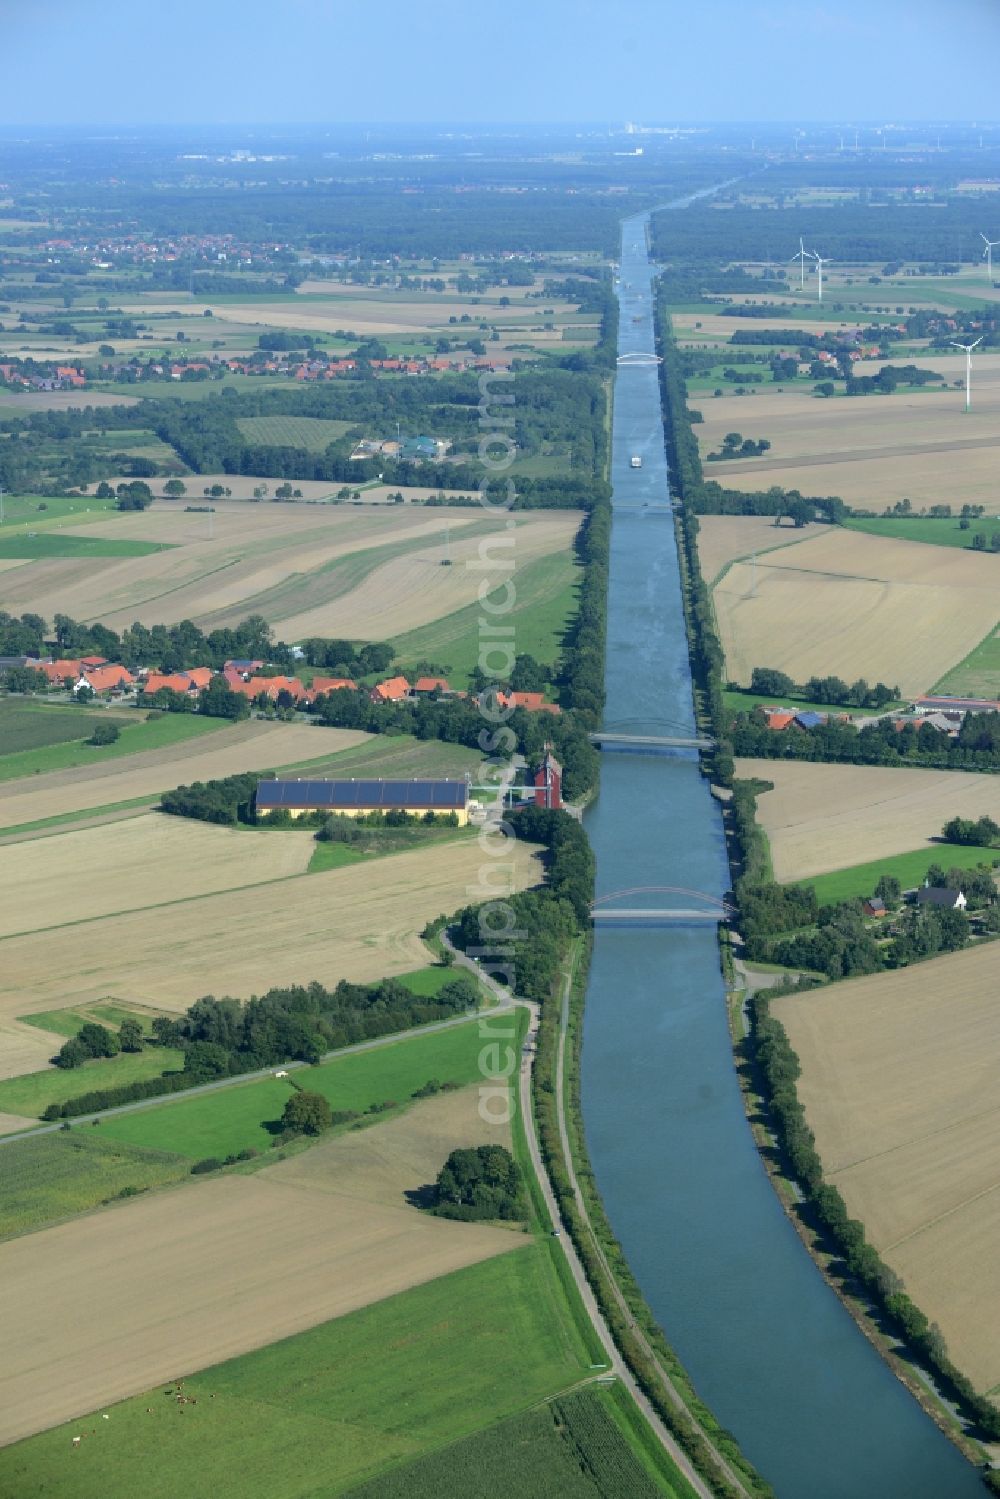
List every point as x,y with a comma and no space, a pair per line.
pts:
624,361
649,734
686,908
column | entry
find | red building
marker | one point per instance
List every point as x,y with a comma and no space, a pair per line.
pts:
548,782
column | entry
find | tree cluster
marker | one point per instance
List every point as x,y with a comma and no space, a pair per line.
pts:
482,1182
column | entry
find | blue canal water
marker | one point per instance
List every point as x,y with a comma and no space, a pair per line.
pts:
769,1346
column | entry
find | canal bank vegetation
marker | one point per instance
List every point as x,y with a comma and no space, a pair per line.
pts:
856,1269
712,1450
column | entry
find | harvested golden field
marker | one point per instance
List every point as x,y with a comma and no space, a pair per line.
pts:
11,1123
253,551
24,1048
857,605
414,589
381,1164
726,538
361,922
14,402
869,450
714,327
255,745
900,1086
824,817
132,865
177,1282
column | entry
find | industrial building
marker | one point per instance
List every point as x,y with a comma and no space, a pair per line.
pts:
359,798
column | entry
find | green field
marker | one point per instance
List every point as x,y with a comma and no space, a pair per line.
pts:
978,675
23,512
65,544
313,433
743,702
138,734
909,869
400,755
316,1414
938,532
236,1118
378,843
49,1177
68,1022
32,1092
27,724
572,1448
546,601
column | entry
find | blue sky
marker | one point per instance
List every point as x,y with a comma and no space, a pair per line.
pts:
317,61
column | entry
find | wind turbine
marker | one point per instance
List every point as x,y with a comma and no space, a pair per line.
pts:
801,256
988,255
821,261
968,368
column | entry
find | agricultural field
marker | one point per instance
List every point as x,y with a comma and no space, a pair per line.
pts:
31,1093
257,744
979,674
856,605
52,1177
310,432
144,863
354,572
821,817
723,539
899,1085
942,532
546,602
317,1412
361,922
28,724
138,735
248,1260
27,547
238,1117
574,1447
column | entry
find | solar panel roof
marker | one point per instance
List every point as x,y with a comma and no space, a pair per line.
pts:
408,795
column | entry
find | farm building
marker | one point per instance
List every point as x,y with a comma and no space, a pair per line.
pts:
934,895
358,798
548,782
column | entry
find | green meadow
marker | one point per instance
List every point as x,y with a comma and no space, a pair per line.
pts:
318,1413
909,869
137,733
50,1177
237,1117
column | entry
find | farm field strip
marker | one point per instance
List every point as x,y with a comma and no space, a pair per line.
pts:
491,1333
900,1088
415,589
256,744
138,864
249,1260
723,539
360,922
856,605
821,817
199,574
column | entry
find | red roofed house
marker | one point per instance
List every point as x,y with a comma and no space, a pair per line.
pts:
333,684
431,684
93,660
178,681
393,690
778,718
532,702
58,671
200,676
105,679
548,782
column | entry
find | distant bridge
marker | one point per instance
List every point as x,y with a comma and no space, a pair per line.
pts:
624,735
624,361
709,910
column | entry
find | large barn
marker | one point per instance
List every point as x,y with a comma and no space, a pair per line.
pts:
358,798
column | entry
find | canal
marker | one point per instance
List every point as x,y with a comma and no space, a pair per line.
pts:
767,1343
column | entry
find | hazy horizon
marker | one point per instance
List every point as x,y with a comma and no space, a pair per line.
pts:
319,62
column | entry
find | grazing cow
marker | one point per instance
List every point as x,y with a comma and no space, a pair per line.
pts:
77,1441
